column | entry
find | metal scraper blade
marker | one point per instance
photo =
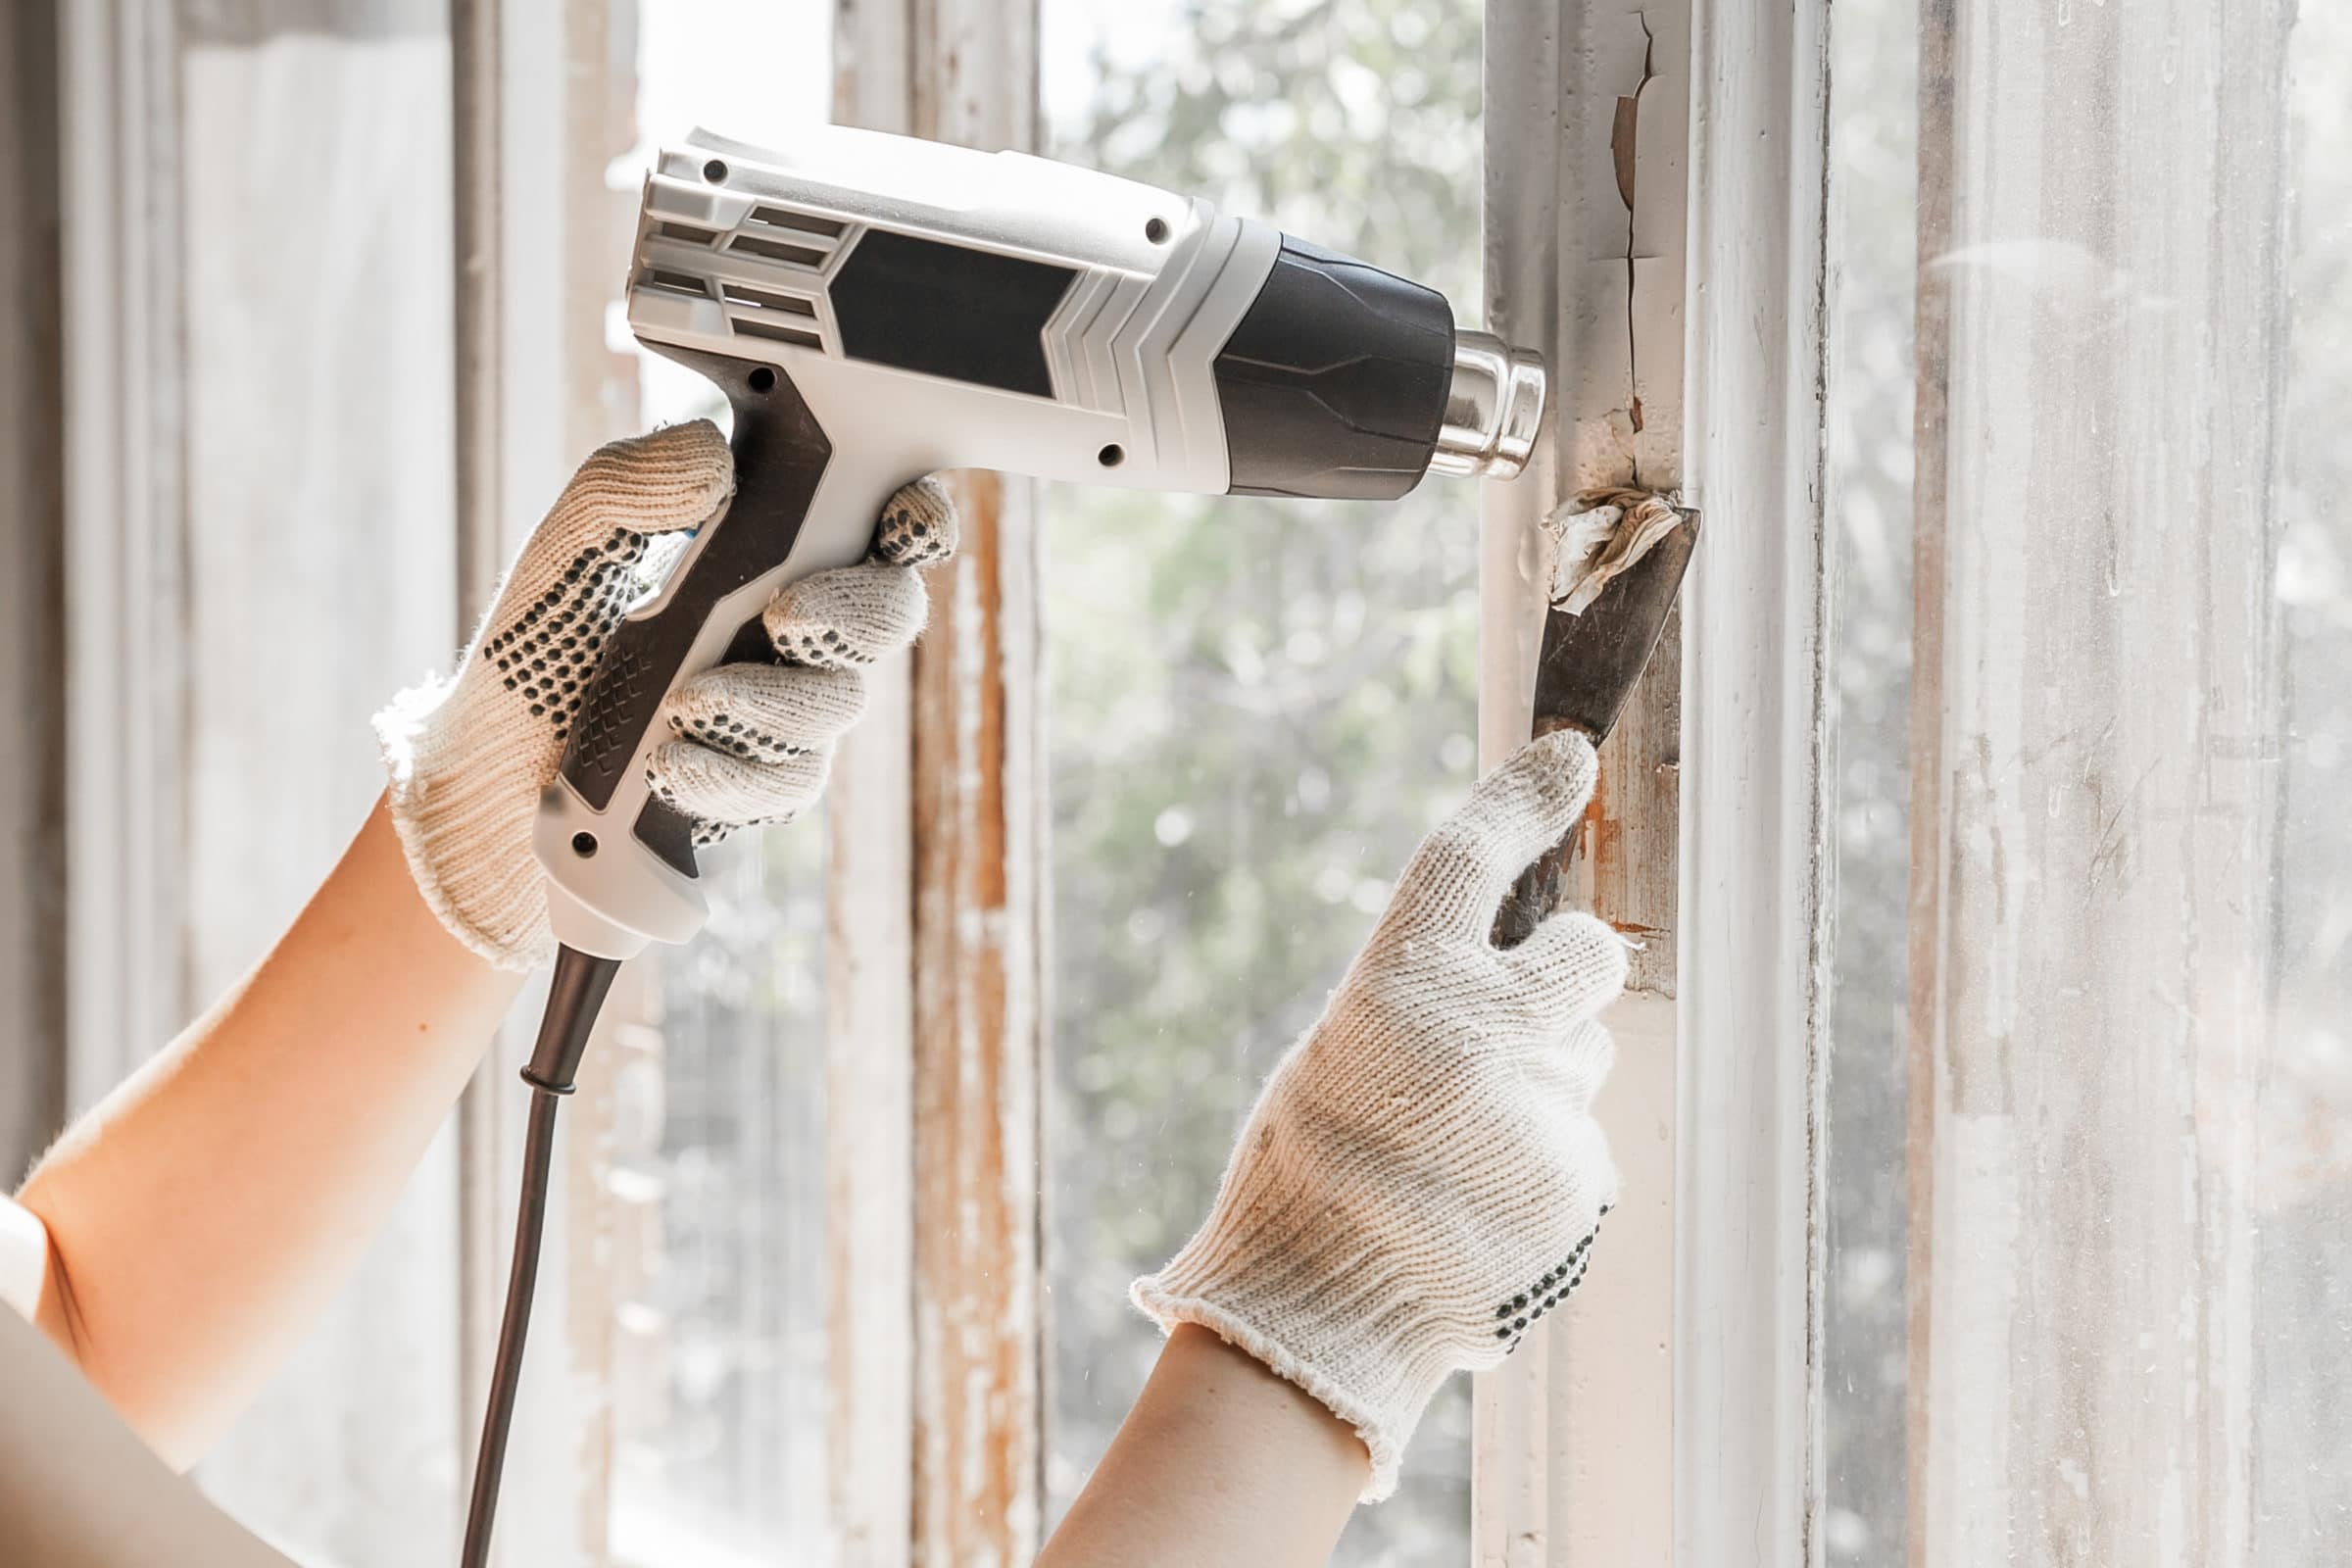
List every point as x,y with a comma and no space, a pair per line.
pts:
1589,665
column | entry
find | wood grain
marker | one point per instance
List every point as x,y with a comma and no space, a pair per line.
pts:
979,927
978,1042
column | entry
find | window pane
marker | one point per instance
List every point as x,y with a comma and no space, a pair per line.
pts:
1257,707
719,1171
311,237
1874,128
2086,1194
2302,1176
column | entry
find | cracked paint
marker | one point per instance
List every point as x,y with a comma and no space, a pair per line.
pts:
1624,141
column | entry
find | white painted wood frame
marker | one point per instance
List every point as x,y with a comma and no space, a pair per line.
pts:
120,145
1757,848
1586,105
869,999
1654,202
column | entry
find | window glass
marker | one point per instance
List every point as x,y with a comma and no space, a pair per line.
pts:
309,580
2087,1191
2302,1177
1874,157
1257,707
717,1176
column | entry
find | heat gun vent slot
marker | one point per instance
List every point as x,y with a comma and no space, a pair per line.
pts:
670,282
761,298
782,334
686,232
777,251
805,223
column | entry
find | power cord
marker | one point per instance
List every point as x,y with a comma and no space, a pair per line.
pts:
574,996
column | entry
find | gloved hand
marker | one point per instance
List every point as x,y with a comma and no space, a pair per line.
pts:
468,756
1422,1178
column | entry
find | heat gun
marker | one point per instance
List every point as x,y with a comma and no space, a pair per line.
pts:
875,308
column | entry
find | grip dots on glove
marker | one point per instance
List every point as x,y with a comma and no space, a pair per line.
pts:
846,617
548,655
1514,1316
917,527
727,733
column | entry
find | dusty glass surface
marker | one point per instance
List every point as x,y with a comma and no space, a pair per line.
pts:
1257,707
1870,352
2123,1199
718,1396
2302,1180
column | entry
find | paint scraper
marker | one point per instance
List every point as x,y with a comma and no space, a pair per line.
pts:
1626,572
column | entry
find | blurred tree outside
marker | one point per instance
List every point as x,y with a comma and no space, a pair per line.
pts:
1256,707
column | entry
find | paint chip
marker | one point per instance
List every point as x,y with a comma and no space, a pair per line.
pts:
1597,536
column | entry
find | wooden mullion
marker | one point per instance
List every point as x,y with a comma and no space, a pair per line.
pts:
1583,102
1655,205
1758,850
979,863
935,981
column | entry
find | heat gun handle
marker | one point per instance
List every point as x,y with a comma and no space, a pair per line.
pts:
621,864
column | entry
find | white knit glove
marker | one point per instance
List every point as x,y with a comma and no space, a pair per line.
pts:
1422,1178
469,755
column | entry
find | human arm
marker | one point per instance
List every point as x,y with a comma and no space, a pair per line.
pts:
207,1209
1421,1180
1218,1461
181,1236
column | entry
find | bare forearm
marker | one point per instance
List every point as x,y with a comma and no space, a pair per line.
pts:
1219,1463
206,1211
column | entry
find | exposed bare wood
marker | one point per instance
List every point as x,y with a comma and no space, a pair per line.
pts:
977,1048
2096,739
1588,105
1756,845
32,706
978,925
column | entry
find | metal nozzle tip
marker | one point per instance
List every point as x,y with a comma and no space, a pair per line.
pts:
1493,410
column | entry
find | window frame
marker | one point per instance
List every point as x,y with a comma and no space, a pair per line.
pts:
1701,1345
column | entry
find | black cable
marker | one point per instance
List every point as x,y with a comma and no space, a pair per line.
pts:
506,1373
574,996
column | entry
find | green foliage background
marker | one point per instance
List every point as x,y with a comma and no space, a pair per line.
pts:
1257,706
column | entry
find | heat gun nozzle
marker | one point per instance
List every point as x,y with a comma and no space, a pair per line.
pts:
1493,410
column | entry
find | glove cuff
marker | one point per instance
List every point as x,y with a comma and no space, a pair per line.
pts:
459,829
1332,1319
